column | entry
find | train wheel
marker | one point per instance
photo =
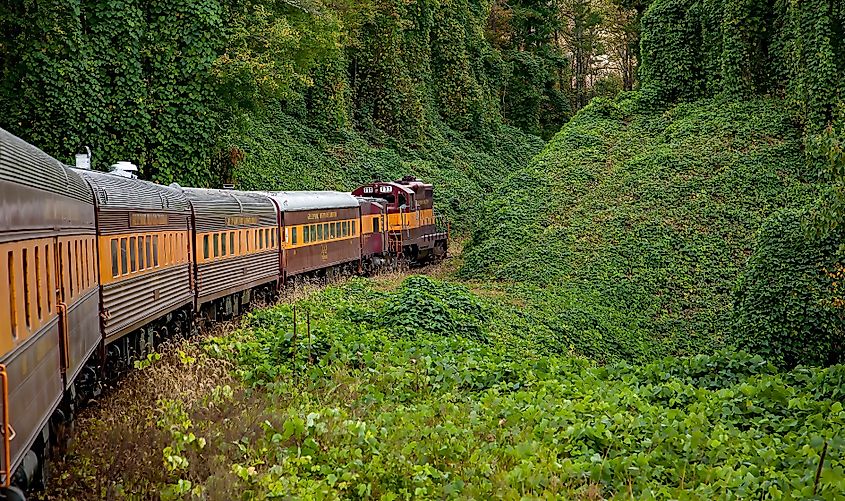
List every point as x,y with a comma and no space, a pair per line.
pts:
12,494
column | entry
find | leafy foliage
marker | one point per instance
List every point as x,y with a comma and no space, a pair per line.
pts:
789,300
376,413
692,49
175,90
633,225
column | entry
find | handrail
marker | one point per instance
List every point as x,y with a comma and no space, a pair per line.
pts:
63,326
7,431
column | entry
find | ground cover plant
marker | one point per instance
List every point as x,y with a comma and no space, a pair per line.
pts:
427,389
631,229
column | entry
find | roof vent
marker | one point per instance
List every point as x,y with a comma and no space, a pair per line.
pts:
125,169
408,179
83,160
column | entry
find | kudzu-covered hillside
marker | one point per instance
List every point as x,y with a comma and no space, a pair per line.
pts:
633,226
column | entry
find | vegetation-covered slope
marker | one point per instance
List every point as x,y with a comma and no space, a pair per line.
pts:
633,225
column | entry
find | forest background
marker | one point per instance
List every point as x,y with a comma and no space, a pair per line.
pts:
309,94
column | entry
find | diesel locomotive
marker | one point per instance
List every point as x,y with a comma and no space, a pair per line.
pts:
96,269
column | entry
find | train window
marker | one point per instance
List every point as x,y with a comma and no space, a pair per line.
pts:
223,244
293,236
38,286
26,307
133,257
216,244
149,243
319,232
375,225
260,239
60,266
306,234
205,246
115,270
50,291
87,264
273,238
155,251
267,237
69,266
83,265
313,232
325,231
332,230
124,259
141,253
80,270
13,300
232,242
171,248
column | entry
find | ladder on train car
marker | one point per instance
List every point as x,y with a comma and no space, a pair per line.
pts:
397,240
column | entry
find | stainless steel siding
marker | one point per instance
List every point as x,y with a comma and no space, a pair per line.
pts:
116,191
83,331
131,301
22,163
35,386
236,273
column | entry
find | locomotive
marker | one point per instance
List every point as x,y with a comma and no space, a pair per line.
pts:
96,269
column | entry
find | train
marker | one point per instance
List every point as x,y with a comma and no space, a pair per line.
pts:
98,268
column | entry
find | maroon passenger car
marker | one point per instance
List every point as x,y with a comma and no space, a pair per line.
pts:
319,230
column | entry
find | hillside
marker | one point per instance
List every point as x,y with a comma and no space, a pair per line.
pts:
281,152
634,224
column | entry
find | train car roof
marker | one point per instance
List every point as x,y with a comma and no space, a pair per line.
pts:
114,191
371,200
23,163
243,201
311,200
